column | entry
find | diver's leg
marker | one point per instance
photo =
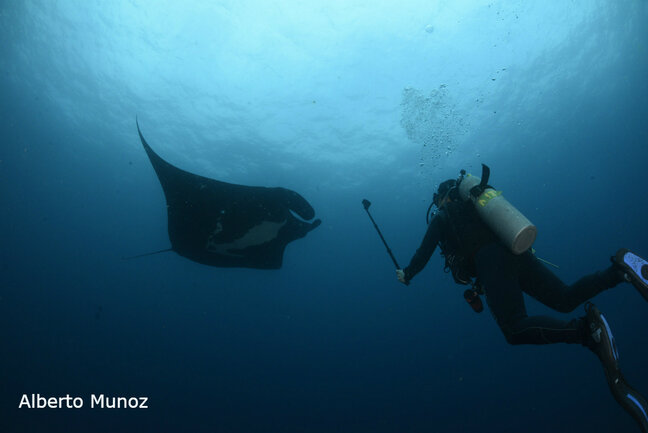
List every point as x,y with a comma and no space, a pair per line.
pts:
497,271
538,281
601,342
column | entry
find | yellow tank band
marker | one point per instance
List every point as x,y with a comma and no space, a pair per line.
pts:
487,196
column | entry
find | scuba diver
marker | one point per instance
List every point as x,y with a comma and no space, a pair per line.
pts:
486,244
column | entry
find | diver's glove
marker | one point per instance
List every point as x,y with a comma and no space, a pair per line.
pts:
400,274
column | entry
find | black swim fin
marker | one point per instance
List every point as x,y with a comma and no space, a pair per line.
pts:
603,344
635,270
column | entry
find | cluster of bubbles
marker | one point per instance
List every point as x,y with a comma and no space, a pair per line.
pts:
433,122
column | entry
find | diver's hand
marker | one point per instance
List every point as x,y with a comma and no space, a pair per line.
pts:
401,277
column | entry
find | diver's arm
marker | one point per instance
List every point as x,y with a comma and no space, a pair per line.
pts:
423,253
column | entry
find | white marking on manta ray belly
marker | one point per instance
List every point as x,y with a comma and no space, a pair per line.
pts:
257,235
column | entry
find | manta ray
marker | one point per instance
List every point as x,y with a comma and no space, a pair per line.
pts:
228,225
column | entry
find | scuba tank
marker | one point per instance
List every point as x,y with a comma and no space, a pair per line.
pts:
508,223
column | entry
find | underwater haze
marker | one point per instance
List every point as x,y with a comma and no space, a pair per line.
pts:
338,100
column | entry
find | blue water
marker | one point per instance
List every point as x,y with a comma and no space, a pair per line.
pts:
339,101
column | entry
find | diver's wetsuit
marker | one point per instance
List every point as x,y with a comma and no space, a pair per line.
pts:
504,276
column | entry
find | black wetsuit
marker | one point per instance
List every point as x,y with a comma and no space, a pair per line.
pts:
475,252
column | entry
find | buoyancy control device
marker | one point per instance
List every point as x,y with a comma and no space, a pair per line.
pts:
509,224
